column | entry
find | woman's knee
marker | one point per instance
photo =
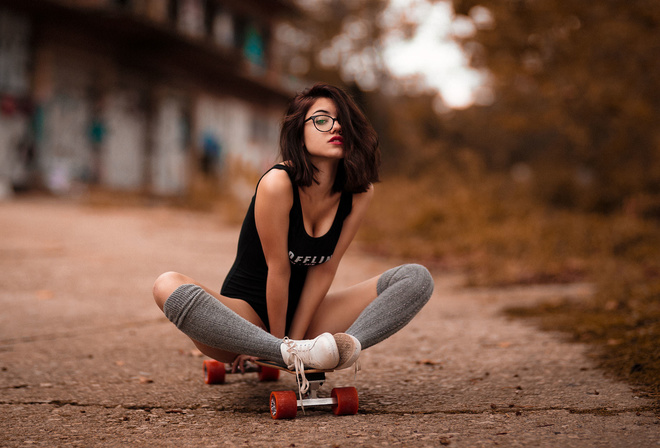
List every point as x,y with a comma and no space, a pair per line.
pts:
422,276
166,284
415,275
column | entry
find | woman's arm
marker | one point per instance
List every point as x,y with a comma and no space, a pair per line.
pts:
320,277
271,213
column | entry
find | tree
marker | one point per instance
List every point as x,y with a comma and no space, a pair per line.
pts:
576,90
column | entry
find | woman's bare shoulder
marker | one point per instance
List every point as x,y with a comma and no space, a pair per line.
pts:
275,183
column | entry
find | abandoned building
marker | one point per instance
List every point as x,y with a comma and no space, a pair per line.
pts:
139,95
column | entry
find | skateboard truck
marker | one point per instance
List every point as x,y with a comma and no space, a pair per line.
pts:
285,404
311,398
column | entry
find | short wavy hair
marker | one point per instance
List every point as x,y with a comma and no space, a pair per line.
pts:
359,167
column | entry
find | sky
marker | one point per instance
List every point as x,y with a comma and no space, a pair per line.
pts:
428,59
431,51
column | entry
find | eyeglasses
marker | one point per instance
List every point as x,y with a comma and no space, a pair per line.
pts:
323,123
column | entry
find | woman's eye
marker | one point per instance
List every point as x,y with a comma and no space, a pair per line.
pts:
321,120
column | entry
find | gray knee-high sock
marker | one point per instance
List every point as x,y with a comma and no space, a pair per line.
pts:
204,318
402,292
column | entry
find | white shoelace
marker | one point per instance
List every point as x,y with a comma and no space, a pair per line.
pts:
299,367
357,367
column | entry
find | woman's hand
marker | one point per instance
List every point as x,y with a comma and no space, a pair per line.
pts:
239,363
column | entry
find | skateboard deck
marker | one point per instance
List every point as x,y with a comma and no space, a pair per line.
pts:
283,368
285,404
215,372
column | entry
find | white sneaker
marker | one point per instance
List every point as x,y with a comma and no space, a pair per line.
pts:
349,350
318,353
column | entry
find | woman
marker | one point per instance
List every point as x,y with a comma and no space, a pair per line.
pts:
274,303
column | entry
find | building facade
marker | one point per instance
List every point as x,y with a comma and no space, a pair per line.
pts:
138,94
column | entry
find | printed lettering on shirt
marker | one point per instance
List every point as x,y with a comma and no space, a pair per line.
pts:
308,260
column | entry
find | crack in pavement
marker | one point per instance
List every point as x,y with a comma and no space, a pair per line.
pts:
600,411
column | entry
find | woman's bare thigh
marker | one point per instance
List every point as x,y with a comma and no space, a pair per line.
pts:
340,309
167,283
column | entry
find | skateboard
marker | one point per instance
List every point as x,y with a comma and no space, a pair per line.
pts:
285,404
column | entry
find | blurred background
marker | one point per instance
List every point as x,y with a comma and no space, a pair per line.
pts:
520,137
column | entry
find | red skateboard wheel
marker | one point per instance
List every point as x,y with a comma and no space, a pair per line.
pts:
268,373
214,372
283,404
347,401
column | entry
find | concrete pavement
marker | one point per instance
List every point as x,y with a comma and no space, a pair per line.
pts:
87,359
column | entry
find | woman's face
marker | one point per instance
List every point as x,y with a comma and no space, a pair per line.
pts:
328,144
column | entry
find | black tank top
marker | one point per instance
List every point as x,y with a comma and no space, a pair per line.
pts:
247,278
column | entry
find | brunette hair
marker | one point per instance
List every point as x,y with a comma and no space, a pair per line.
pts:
359,167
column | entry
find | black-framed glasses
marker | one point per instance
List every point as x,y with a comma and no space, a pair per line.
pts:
323,123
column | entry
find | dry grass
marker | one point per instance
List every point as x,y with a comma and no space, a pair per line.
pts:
491,230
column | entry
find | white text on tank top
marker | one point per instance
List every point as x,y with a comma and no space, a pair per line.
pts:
308,260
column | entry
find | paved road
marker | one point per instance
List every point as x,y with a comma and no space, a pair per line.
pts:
86,359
